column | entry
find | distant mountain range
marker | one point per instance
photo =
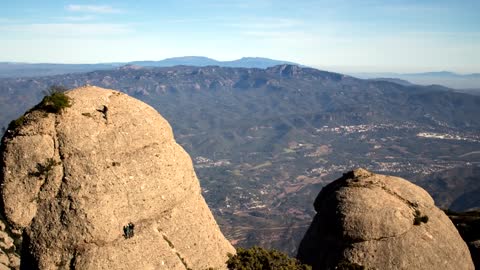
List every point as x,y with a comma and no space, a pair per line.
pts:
16,69
199,61
445,78
469,83
265,141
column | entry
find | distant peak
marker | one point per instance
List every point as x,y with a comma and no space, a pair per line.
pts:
286,69
285,66
256,58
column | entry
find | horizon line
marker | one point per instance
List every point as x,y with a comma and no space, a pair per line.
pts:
334,68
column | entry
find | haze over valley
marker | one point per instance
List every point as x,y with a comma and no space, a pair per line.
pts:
265,141
290,124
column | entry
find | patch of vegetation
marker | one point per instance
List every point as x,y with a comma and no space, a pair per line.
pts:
45,169
345,265
55,100
259,258
419,218
55,89
16,123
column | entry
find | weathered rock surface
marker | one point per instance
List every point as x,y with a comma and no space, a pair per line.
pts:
9,258
378,222
72,181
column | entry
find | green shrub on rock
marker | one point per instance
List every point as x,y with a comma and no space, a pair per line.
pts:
55,100
16,123
419,218
259,258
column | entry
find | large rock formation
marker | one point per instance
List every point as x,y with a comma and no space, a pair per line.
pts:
104,185
381,222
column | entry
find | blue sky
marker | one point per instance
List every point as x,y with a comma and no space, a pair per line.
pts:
342,35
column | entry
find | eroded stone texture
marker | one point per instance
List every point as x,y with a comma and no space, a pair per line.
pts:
378,222
113,161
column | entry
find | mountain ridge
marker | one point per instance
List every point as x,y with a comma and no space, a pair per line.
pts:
265,141
20,69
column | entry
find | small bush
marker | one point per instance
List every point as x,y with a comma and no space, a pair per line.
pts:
14,127
55,89
259,258
419,218
55,100
16,123
45,169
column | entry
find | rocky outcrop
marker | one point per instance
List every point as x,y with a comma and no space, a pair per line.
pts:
104,185
381,222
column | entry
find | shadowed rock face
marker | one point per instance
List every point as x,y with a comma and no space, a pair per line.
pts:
381,222
104,185
475,251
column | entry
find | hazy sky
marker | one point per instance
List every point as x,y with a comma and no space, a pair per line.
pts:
345,35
